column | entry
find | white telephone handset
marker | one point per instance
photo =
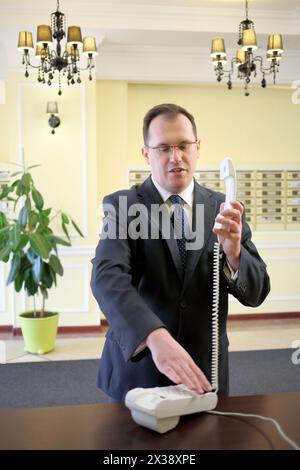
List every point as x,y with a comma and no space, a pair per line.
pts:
227,174
160,408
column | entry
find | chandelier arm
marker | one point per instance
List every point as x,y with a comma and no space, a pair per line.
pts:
264,70
31,65
89,67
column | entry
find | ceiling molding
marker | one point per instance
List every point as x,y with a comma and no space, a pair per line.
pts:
175,64
155,17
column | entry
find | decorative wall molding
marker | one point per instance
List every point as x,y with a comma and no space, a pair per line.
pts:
21,87
84,308
2,290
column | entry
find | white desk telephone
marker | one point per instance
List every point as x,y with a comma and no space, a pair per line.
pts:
160,408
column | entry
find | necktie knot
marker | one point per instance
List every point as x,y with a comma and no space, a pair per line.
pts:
176,199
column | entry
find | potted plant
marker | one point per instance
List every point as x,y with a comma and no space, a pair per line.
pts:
29,244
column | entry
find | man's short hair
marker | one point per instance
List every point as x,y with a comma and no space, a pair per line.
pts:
169,111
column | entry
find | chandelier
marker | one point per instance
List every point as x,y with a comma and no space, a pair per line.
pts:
246,63
54,60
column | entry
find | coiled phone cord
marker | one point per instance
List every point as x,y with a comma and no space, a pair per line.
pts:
215,318
215,349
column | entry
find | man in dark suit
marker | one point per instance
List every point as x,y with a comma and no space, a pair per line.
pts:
156,293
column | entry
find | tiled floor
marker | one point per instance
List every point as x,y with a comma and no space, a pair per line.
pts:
243,336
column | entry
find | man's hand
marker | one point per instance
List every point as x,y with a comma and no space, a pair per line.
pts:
230,236
172,360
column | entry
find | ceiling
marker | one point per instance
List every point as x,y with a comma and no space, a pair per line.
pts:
147,35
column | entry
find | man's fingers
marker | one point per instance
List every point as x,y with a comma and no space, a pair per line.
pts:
189,375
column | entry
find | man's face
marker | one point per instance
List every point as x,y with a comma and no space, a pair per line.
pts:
174,169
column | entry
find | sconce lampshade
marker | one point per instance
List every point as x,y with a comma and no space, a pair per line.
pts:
25,40
218,48
52,107
89,46
44,35
74,35
249,40
275,43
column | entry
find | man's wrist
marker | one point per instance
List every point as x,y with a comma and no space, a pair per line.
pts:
157,333
233,262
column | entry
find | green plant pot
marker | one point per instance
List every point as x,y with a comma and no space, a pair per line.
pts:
39,333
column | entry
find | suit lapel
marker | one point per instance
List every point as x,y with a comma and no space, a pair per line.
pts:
201,196
149,195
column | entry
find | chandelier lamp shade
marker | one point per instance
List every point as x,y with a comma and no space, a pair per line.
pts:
247,64
52,57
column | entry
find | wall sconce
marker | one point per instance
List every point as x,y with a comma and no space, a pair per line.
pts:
54,120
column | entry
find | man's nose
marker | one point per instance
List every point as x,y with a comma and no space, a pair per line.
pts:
176,154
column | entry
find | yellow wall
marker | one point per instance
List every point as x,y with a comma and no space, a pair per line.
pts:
4,112
100,139
259,130
66,178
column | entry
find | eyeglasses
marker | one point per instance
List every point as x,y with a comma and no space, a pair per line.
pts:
167,150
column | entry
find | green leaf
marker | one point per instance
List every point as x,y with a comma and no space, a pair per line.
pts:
23,216
5,191
23,242
66,232
56,265
58,240
77,228
47,212
31,286
4,229
21,190
15,236
3,220
43,220
53,275
65,218
4,252
28,204
33,219
38,199
47,279
26,181
40,245
37,269
45,231
33,166
31,255
14,268
19,282
16,173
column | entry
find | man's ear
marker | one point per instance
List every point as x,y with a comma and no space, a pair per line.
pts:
198,148
145,152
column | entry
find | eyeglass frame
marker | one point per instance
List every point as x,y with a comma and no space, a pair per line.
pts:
169,147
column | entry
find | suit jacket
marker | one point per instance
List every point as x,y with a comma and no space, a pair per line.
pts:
139,285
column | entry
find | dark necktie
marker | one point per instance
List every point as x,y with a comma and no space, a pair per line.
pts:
178,220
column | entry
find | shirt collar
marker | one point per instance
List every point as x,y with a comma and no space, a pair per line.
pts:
186,194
